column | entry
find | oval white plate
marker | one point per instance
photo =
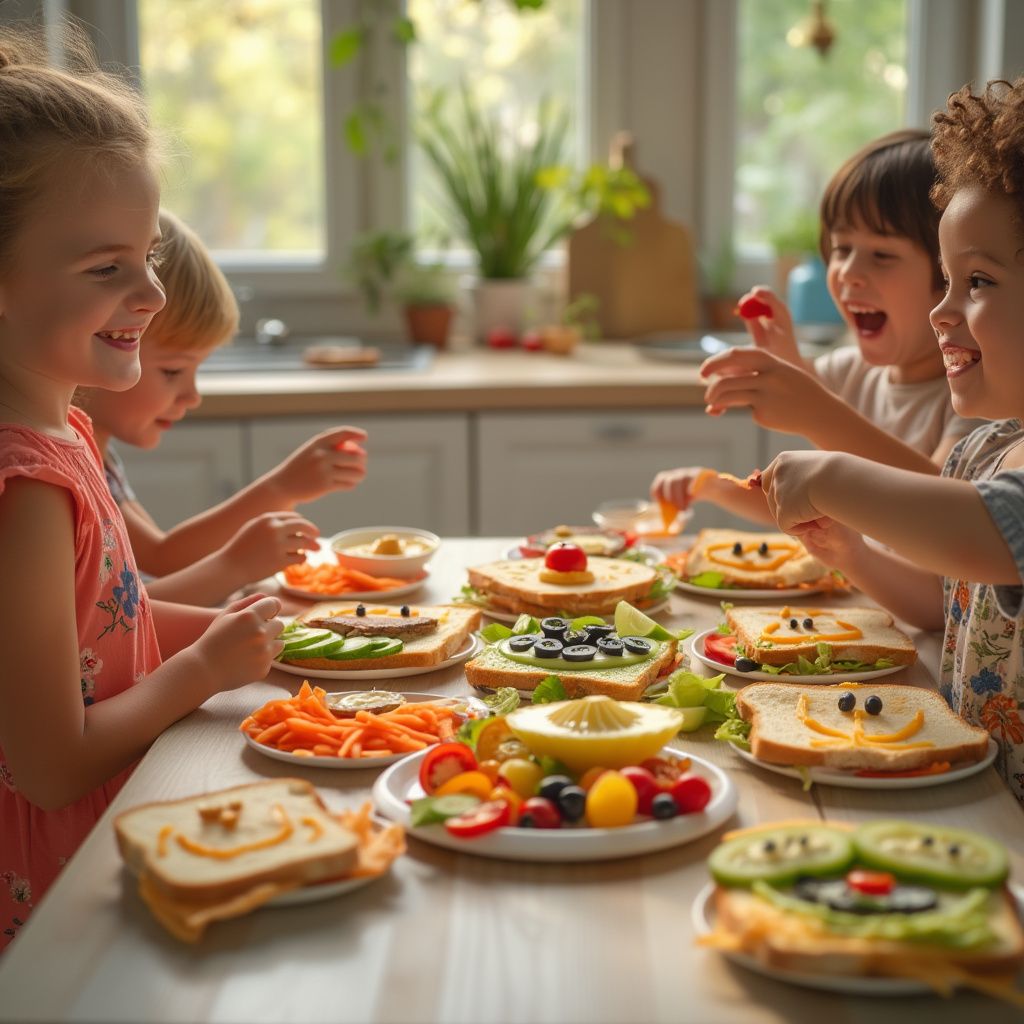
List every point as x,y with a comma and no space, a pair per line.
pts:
741,593
697,649
372,595
472,646
509,617
356,763
400,783
848,780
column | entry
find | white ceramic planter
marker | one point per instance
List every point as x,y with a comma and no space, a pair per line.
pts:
499,304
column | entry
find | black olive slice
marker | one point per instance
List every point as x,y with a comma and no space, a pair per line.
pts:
595,632
519,644
637,644
549,647
554,627
580,652
611,645
746,665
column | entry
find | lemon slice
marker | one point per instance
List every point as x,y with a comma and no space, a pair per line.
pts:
630,621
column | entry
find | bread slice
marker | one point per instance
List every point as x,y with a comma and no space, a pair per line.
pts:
791,942
804,725
769,638
712,551
514,585
455,623
294,841
491,669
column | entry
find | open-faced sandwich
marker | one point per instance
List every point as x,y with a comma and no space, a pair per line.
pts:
734,560
594,540
219,855
854,727
566,582
354,636
587,655
890,899
795,640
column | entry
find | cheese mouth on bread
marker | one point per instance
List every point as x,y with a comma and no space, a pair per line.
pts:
219,855
727,559
780,636
856,727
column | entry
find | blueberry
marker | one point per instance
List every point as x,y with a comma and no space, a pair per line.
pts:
580,652
360,610
554,626
595,632
552,785
404,611
847,702
520,644
664,807
549,647
526,821
572,802
637,644
873,705
763,549
746,665
737,548
808,623
611,645
792,623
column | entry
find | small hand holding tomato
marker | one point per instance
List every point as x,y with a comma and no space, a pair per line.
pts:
565,557
769,324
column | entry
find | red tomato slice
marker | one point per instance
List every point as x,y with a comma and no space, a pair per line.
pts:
871,883
721,648
444,762
482,819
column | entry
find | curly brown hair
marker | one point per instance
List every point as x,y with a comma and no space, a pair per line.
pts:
979,141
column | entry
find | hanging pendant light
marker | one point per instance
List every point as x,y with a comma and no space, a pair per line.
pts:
816,30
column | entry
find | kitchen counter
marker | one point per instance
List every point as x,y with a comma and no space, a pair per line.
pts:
599,375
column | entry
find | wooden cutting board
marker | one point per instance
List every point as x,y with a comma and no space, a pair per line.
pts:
647,285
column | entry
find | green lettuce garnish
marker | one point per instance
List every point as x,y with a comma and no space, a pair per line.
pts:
495,632
549,690
823,664
470,595
503,700
710,579
734,731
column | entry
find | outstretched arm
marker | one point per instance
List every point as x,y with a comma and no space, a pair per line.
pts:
682,487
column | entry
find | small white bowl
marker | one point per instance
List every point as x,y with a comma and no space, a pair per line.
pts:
404,566
639,516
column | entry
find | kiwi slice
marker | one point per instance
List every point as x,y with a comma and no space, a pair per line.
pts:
944,856
781,854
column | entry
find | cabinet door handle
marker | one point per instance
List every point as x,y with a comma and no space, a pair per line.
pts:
618,431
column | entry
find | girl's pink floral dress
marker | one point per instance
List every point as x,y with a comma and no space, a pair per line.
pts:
117,646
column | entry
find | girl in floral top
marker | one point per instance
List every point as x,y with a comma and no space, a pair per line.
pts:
958,541
83,691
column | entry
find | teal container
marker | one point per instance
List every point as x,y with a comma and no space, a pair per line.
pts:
807,294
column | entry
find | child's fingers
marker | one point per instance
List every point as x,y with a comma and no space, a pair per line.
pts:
341,436
243,602
736,361
266,608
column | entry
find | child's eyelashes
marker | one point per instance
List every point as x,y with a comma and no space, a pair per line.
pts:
104,271
171,374
975,281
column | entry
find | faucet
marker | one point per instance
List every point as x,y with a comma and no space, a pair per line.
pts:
271,331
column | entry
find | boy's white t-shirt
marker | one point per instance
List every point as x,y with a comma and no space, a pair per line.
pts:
920,415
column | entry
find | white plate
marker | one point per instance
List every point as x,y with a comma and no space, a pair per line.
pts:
848,780
472,646
652,556
356,763
377,596
400,783
319,891
697,649
510,617
741,593
702,915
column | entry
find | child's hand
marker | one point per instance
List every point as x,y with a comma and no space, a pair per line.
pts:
780,396
832,543
268,543
332,461
241,642
773,333
676,486
788,484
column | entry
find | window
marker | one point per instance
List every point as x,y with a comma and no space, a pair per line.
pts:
235,86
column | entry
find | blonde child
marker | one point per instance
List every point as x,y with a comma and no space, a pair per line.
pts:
957,541
255,532
83,692
884,398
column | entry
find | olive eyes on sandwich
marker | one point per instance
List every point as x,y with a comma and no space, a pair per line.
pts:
873,705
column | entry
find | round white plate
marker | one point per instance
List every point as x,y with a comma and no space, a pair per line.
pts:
316,761
697,649
746,593
377,596
848,780
400,783
471,647
652,556
509,617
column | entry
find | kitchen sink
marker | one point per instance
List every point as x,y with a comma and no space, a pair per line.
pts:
246,356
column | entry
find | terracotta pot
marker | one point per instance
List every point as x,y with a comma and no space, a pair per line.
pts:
560,339
429,325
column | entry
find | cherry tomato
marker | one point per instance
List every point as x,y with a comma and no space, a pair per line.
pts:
475,783
490,769
532,341
750,308
521,775
590,776
565,557
482,819
611,802
645,784
509,796
664,771
721,648
691,793
539,813
496,742
871,883
501,337
442,763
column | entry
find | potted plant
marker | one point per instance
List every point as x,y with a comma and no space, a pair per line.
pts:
720,296
511,200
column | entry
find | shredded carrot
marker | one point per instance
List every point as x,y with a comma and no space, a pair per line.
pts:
336,580
304,725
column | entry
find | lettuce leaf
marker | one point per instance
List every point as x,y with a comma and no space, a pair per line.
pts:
549,690
734,731
503,700
712,580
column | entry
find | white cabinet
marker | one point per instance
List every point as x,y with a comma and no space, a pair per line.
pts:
534,470
196,466
417,473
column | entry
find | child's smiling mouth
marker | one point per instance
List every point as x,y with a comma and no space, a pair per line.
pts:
868,320
959,360
122,339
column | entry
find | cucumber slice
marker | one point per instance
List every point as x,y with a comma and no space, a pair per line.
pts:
782,854
353,647
951,857
322,648
384,646
300,638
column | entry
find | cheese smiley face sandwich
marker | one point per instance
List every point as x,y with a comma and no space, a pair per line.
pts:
890,899
566,581
734,560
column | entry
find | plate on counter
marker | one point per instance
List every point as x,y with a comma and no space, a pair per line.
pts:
355,595
748,593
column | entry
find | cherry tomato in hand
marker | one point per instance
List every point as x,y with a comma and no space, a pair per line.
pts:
444,762
721,648
691,793
565,557
481,819
871,883
645,784
750,308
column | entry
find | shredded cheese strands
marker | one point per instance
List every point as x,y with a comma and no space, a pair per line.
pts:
857,736
852,632
227,852
315,826
789,551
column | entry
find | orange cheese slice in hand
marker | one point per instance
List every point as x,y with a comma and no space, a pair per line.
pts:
668,514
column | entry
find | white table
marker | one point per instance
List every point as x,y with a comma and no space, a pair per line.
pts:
446,936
